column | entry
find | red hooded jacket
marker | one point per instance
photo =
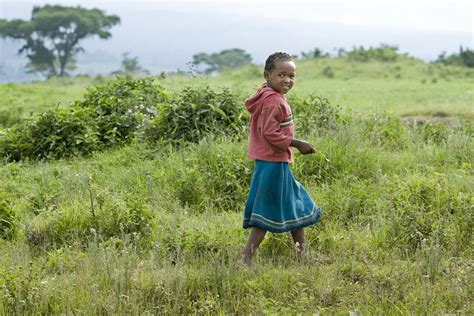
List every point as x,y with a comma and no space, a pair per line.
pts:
271,126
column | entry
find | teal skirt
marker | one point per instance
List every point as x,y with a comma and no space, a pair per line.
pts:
276,201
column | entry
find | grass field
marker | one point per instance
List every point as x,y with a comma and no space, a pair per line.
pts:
408,88
153,228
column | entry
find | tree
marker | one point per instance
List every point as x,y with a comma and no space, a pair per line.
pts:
314,54
130,66
53,34
467,57
384,53
464,58
229,58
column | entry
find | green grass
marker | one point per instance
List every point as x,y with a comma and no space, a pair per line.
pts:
421,89
156,229
22,101
406,88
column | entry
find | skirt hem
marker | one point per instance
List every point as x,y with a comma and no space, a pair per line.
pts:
287,228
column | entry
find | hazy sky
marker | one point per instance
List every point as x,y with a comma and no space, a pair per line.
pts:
433,15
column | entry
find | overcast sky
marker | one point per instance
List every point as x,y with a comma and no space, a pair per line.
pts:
434,15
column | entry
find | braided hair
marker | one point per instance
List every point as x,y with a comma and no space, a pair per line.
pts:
273,58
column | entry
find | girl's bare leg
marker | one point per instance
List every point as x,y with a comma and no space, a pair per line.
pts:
298,238
256,236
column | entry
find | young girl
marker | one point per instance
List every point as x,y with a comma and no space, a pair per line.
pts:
276,201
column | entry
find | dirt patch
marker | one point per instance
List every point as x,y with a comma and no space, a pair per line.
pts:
440,114
437,118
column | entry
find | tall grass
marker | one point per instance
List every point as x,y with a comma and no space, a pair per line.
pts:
155,228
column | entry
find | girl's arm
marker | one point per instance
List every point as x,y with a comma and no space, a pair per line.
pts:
303,146
271,126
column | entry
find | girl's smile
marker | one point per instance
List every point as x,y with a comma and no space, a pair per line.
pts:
282,77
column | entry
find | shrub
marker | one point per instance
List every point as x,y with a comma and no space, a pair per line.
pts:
55,134
315,113
114,113
62,133
109,115
314,54
122,107
197,112
15,142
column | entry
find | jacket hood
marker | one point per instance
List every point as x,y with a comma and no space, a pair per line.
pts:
253,104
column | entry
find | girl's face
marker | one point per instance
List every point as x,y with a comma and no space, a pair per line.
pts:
282,77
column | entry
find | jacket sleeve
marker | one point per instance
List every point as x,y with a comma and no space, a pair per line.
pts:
271,125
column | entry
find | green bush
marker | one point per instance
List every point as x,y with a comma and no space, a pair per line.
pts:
55,134
314,114
15,143
121,110
122,107
197,112
62,133
21,290
108,115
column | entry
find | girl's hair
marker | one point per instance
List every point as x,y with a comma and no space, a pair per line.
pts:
273,58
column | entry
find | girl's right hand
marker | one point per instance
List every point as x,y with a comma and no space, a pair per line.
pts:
303,146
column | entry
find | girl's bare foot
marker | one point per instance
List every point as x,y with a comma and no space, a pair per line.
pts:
244,262
256,236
